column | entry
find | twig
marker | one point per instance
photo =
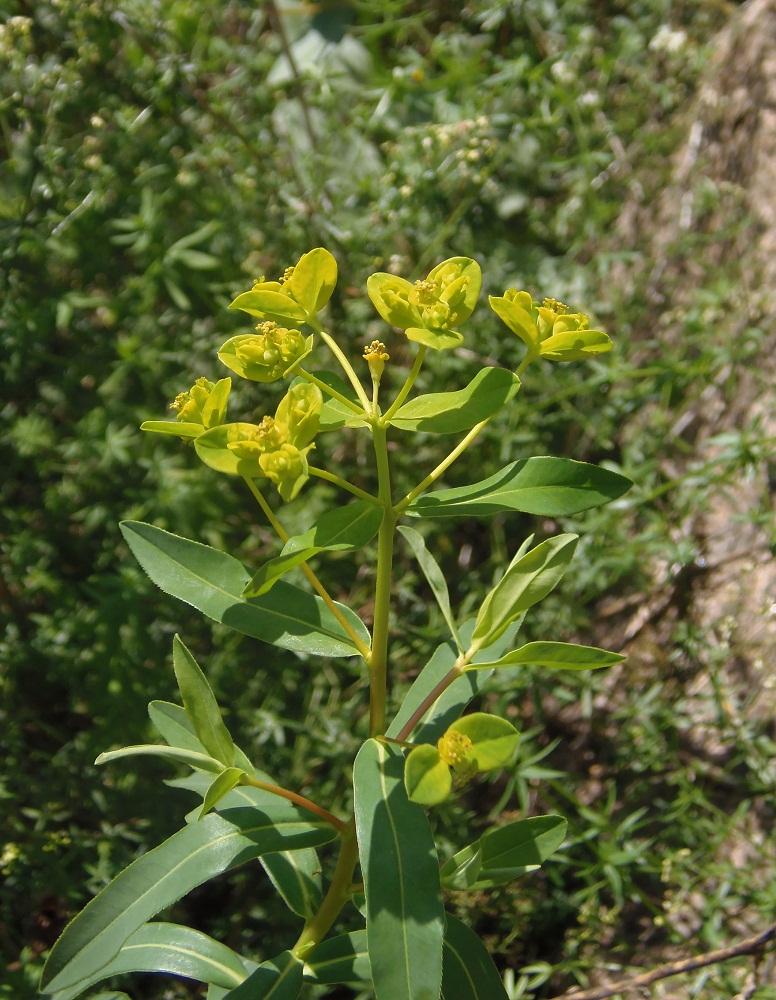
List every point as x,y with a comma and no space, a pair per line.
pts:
749,946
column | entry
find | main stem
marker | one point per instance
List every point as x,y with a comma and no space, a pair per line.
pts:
338,894
378,661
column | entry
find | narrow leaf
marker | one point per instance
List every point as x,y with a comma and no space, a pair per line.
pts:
552,487
526,582
504,853
199,760
295,874
200,704
469,972
435,577
190,857
452,412
170,948
341,959
556,656
175,728
344,529
405,917
213,582
179,428
277,979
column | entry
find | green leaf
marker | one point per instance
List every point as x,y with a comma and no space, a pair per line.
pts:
200,705
175,728
504,853
199,760
456,697
427,778
468,970
295,874
341,959
575,345
159,878
528,580
270,305
213,582
170,948
552,487
452,412
276,979
405,917
435,577
556,656
313,280
517,319
221,785
494,740
344,529
180,428
214,410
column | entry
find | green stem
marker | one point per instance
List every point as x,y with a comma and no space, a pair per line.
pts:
443,465
355,381
338,894
309,377
378,662
322,592
331,477
405,389
453,675
300,800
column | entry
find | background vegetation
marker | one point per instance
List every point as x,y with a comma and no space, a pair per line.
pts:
159,155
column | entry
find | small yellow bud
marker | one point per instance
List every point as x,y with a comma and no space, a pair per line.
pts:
554,306
287,275
453,747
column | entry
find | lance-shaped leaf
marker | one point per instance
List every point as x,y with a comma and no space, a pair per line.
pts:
405,917
528,580
451,703
178,428
174,726
452,412
556,656
202,761
170,948
277,979
200,705
190,857
295,874
213,582
344,529
468,969
552,487
341,959
435,577
504,853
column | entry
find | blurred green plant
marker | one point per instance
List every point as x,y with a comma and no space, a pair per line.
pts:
388,866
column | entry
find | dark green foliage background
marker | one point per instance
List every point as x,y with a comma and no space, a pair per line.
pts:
158,156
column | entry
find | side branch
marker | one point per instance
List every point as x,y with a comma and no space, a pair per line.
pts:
749,946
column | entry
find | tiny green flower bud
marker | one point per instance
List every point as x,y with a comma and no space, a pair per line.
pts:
266,355
287,468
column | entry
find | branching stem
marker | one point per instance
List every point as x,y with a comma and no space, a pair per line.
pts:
295,797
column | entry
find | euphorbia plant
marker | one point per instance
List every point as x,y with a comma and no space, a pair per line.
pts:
389,883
